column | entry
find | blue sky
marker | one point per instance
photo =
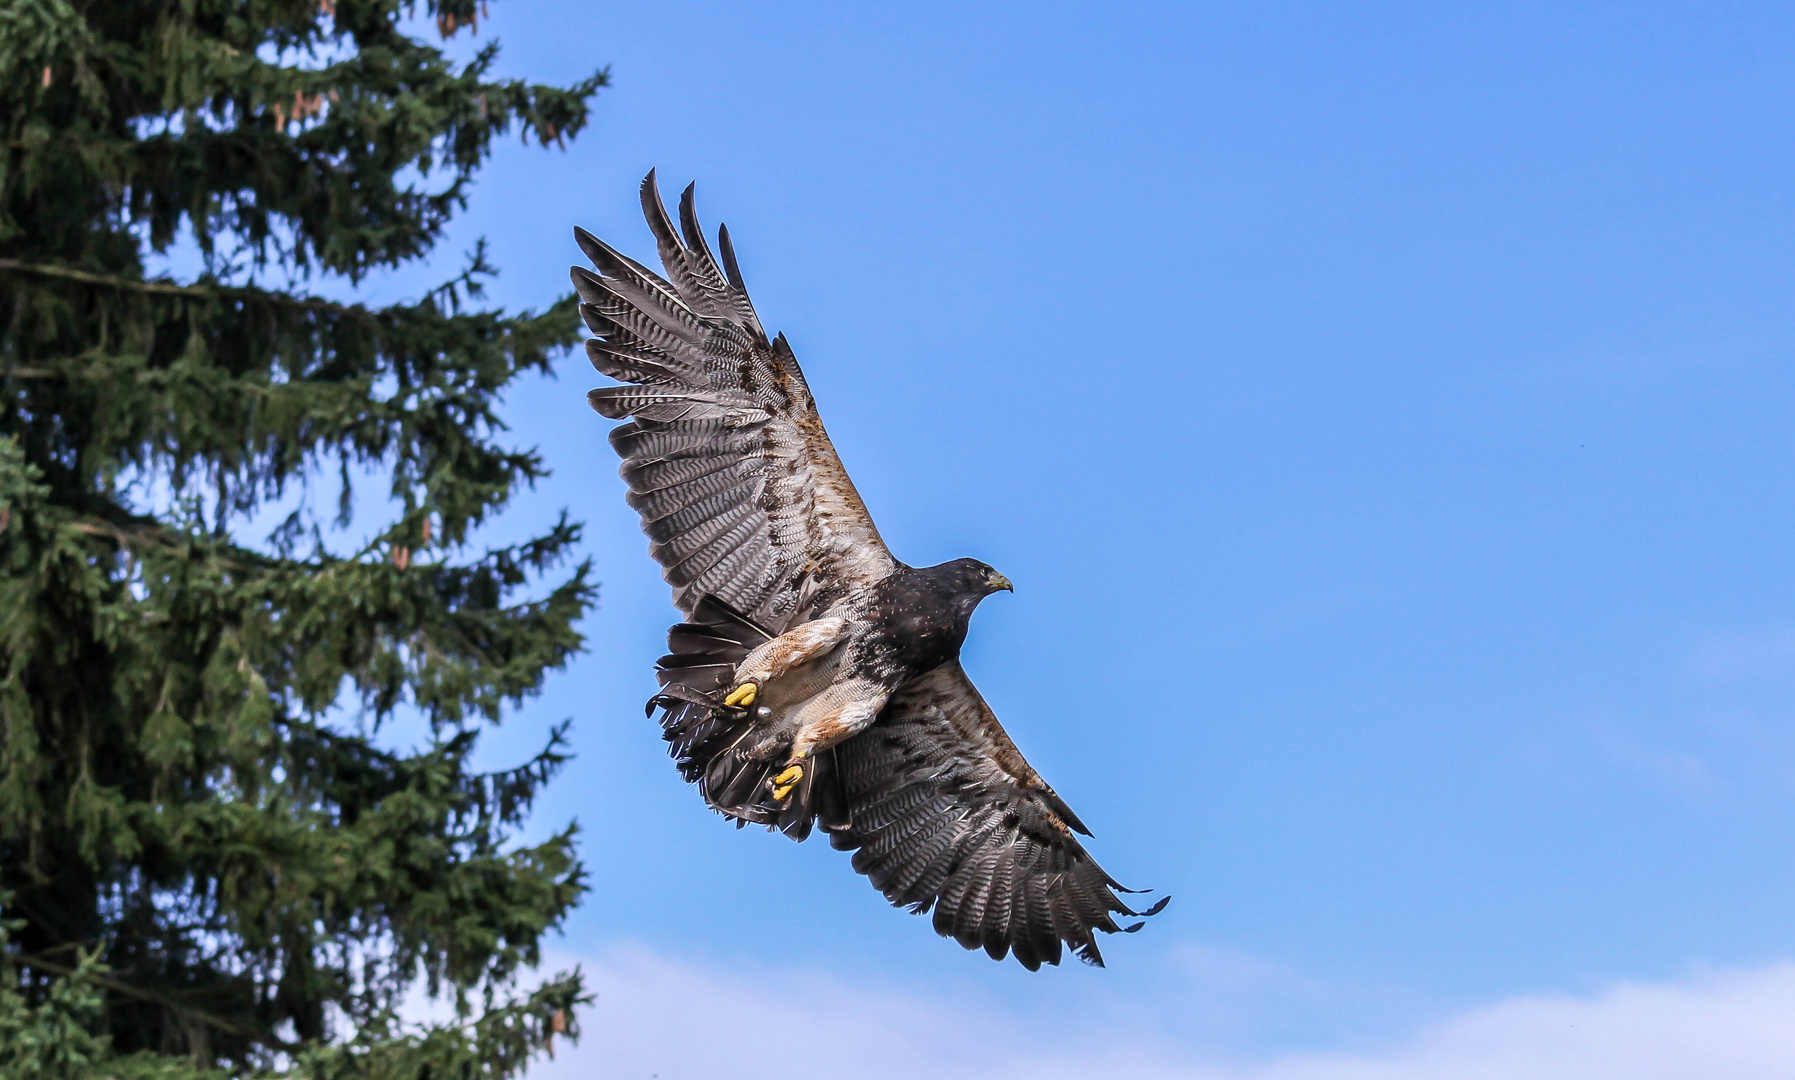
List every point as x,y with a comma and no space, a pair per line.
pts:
1383,411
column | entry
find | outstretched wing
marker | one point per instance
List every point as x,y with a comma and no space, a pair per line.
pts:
740,491
943,812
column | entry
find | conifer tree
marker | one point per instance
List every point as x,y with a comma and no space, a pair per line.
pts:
210,863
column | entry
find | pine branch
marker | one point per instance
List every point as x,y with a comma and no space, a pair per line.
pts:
119,986
195,292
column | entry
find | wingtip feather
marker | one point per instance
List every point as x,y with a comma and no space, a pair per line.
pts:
655,211
688,216
730,269
587,242
607,258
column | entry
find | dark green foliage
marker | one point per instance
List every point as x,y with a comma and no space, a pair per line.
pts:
206,862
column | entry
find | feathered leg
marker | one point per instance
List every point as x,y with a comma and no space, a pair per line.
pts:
826,721
771,659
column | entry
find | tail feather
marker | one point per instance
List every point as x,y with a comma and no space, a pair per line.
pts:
713,745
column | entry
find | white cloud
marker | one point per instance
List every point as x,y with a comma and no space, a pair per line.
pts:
674,1020
1734,1025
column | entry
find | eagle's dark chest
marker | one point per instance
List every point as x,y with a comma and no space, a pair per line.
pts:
914,624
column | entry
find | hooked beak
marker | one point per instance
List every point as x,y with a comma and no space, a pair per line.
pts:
999,583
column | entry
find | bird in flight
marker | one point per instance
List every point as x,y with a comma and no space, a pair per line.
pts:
816,681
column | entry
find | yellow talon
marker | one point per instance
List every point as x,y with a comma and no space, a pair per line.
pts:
787,780
742,696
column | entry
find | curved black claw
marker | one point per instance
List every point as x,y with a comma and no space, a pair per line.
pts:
673,695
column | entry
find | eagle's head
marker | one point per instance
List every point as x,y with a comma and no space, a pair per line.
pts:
974,579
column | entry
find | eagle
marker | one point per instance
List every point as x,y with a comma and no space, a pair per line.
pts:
815,680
